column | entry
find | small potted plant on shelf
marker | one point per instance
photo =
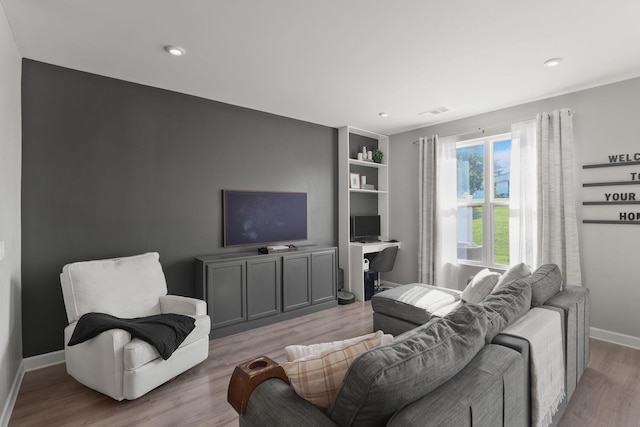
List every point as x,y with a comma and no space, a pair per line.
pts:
377,155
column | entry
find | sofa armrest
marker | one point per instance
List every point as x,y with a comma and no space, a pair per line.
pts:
259,391
573,302
275,404
522,346
182,305
247,376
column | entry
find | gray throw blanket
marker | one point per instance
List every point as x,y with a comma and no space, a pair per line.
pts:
163,331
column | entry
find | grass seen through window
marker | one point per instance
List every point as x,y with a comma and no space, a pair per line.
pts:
500,233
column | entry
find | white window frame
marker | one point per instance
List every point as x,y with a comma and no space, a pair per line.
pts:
488,222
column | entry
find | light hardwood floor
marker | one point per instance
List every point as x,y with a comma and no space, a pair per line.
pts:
607,395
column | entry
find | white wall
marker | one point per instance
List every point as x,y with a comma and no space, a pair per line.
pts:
10,168
605,120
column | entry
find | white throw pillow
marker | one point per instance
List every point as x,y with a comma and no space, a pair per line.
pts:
317,376
515,272
480,286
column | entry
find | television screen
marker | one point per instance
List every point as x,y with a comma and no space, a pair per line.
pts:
365,227
259,217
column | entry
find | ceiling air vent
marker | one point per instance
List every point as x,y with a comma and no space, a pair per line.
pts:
435,111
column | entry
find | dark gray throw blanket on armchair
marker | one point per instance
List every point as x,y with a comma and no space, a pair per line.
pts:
163,331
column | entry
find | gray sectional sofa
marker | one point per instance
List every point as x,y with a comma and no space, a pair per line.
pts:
454,370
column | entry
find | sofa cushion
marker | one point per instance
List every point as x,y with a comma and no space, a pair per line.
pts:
317,376
443,311
382,380
480,286
506,305
414,302
545,282
487,392
517,271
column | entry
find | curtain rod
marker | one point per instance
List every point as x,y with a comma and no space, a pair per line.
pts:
482,130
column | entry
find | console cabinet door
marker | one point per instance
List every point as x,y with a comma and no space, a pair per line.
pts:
226,293
263,287
323,276
296,281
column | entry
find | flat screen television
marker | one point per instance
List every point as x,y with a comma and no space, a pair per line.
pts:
261,217
365,227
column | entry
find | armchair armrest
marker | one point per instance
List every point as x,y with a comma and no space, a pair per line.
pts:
182,305
99,362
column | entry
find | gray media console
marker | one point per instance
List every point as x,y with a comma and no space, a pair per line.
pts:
247,290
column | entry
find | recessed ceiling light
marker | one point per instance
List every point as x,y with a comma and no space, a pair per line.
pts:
383,114
552,62
175,50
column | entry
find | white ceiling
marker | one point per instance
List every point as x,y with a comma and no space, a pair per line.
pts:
341,62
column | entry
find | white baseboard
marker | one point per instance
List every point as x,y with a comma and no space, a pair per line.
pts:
13,395
27,364
43,360
615,338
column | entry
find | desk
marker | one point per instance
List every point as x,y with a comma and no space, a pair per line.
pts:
357,252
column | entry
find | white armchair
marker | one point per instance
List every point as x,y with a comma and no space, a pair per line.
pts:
113,363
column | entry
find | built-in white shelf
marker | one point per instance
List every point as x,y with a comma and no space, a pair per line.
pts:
360,190
352,199
367,164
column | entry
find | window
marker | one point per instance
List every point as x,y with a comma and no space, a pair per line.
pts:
483,174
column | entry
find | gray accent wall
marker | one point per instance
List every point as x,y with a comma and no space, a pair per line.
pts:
10,281
605,120
112,168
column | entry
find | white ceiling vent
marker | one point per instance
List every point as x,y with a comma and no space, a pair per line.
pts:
435,111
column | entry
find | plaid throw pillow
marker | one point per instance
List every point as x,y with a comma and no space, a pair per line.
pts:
317,377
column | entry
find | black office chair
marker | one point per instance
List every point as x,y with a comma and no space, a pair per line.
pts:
381,263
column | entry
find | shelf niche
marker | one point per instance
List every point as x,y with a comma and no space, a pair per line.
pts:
360,201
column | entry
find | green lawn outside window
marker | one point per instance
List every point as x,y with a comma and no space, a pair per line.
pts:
501,234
